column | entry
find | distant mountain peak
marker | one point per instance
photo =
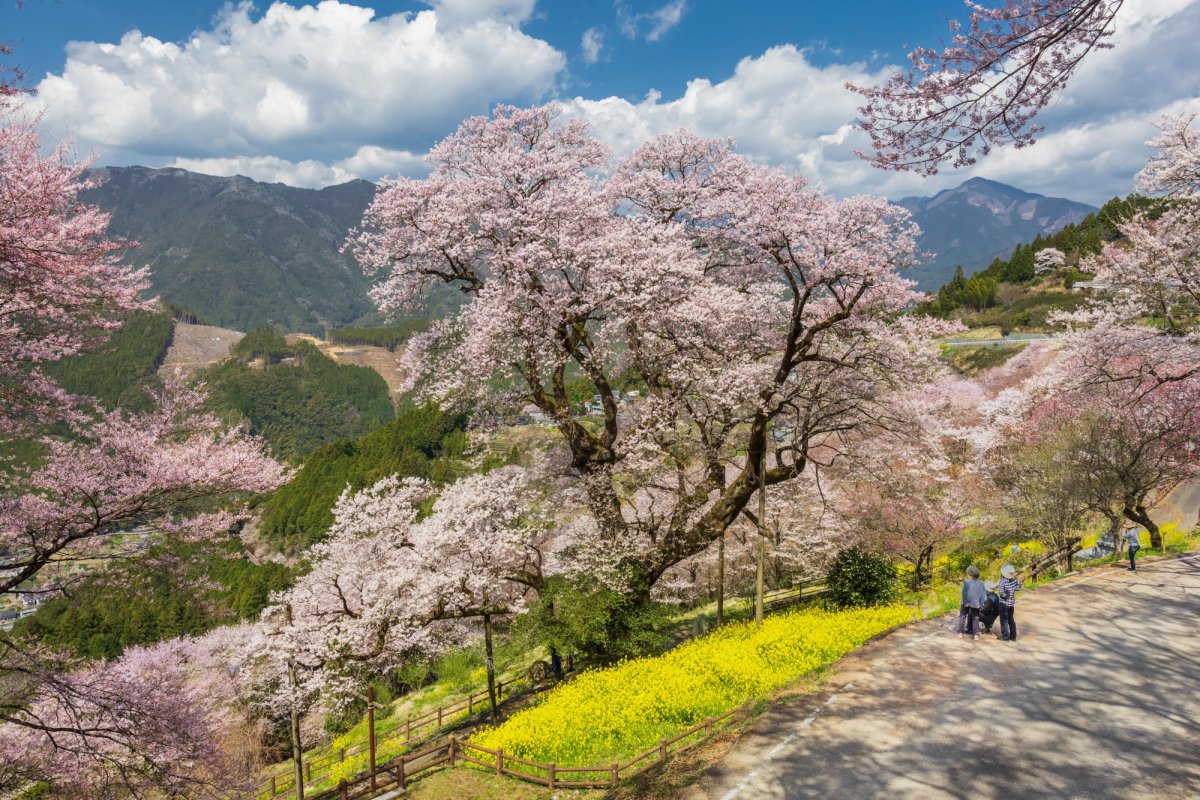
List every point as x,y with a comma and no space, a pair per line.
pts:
979,220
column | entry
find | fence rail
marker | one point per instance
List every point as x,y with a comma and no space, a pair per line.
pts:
452,751
402,734
781,598
1040,564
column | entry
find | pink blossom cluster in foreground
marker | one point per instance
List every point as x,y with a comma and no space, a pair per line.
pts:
986,86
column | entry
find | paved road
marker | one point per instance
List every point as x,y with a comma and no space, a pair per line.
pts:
1099,698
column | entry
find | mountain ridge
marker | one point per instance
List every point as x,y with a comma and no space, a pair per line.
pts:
241,253
981,219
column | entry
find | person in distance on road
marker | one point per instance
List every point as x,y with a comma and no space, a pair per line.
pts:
1007,590
973,595
1131,536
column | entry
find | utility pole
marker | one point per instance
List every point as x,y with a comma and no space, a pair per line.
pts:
721,580
297,747
371,730
762,533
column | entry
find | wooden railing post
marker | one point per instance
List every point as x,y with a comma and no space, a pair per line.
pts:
499,761
342,788
470,704
308,772
342,754
400,776
407,729
662,750
453,742
551,775
616,773
708,726
274,791
439,716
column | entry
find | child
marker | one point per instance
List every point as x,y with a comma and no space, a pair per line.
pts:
1008,588
973,595
991,606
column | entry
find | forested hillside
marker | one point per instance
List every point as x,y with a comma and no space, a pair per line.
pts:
1022,291
296,397
238,252
421,442
119,370
184,589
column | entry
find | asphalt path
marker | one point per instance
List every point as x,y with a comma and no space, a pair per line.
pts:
1098,698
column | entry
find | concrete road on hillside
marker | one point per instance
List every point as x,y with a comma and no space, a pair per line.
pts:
1098,698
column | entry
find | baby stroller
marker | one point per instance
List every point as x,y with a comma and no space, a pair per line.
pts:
991,607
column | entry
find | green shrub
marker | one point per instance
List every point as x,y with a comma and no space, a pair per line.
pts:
861,578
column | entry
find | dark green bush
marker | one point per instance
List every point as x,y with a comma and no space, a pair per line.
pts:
861,578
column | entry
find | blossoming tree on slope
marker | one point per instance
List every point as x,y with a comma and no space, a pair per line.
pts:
1144,332
87,728
741,300
387,587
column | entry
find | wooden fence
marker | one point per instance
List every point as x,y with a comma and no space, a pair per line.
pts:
781,598
1040,564
402,734
453,752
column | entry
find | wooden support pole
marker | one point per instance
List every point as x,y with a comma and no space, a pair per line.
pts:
551,775
371,744
721,580
342,788
616,774
662,750
762,536
453,742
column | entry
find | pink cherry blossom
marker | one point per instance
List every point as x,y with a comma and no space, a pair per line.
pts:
986,87
737,299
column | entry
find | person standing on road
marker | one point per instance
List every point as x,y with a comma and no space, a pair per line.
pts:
1131,536
1007,589
973,595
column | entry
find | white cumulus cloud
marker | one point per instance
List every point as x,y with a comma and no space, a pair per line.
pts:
300,82
591,44
650,25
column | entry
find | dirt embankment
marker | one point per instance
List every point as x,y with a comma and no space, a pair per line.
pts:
380,359
196,346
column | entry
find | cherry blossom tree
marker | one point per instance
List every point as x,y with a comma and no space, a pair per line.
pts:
170,470
1131,446
173,471
388,586
61,285
154,721
908,499
1143,332
986,87
740,299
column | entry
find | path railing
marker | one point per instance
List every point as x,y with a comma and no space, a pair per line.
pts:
1065,553
453,752
782,598
404,733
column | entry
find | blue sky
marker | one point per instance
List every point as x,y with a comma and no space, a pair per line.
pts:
313,95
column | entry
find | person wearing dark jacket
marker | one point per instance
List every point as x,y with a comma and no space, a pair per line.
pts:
991,607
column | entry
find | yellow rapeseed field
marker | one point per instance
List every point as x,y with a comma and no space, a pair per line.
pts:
619,711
